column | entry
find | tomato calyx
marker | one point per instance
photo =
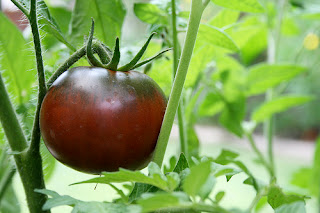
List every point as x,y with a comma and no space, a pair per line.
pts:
112,63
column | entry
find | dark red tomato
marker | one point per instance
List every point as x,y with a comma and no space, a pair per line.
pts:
93,119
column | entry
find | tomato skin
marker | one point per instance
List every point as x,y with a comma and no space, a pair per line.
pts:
93,119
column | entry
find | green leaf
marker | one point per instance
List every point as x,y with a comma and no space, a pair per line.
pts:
48,162
296,207
254,46
108,15
193,141
207,187
201,58
150,13
263,76
141,188
229,157
219,196
211,105
47,22
156,178
223,170
16,62
224,18
153,202
277,198
289,27
215,36
302,178
277,105
172,163
182,164
62,16
10,202
81,206
226,156
193,182
311,15
233,115
252,6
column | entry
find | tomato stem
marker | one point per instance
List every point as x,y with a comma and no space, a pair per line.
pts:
176,52
197,8
273,41
76,56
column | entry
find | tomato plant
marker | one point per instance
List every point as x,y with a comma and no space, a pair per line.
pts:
95,120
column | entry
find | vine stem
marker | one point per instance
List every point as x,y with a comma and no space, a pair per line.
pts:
259,154
176,53
197,8
273,41
31,162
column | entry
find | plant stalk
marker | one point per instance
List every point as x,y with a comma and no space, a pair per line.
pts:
176,53
273,42
31,173
76,56
28,169
197,8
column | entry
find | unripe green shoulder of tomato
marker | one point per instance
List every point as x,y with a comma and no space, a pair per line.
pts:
93,119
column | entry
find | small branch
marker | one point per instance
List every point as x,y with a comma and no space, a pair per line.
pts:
193,26
97,48
67,64
257,198
259,154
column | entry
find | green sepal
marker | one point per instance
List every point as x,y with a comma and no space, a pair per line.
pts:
113,65
150,59
135,60
92,60
102,52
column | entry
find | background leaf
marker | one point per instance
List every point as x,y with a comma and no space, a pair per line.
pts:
81,206
193,182
277,105
108,15
16,62
47,22
224,18
215,36
244,5
296,207
150,13
263,76
156,178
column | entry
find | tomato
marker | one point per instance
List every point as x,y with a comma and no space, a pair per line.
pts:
93,119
